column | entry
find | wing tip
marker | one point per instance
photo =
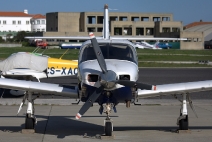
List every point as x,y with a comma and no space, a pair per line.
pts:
154,87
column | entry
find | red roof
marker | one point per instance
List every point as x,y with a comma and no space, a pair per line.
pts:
39,16
14,14
196,24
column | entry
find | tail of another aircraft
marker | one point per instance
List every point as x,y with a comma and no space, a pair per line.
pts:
106,32
156,44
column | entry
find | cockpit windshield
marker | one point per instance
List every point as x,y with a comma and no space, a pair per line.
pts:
110,51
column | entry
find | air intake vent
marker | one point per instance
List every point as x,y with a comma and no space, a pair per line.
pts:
124,77
93,78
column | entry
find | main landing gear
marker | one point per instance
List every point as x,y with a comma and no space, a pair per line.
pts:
182,120
30,119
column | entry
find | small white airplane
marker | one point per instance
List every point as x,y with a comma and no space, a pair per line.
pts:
145,45
26,66
108,74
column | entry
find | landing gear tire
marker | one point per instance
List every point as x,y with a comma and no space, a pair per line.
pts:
108,128
183,123
29,123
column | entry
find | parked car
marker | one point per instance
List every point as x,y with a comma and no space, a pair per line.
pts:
164,45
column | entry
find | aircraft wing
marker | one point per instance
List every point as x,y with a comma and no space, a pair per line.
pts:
146,38
38,87
111,37
63,37
176,88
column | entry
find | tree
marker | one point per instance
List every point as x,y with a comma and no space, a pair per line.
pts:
20,36
1,40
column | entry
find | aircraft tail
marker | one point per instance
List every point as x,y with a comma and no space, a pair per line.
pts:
106,32
156,44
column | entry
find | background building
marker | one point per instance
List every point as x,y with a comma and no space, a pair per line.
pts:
38,23
127,24
15,21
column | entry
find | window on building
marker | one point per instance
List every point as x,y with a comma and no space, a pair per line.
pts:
43,22
0,22
100,19
149,31
38,21
91,19
4,22
175,29
166,30
14,22
139,31
19,22
38,30
27,22
43,29
117,31
135,19
34,30
144,18
165,18
91,29
156,19
127,30
122,18
99,29
113,18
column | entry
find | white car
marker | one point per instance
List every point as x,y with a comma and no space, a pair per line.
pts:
145,45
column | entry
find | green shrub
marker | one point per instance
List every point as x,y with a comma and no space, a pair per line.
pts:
25,44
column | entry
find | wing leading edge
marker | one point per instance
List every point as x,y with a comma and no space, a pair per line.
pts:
176,88
38,87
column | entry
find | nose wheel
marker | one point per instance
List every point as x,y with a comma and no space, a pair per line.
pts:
108,127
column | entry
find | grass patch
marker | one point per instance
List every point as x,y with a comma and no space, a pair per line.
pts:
143,55
154,64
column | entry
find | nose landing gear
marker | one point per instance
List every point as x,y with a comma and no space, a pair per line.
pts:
108,128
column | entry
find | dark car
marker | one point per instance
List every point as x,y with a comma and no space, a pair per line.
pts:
164,45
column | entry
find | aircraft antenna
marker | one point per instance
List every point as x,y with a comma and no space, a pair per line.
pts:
64,53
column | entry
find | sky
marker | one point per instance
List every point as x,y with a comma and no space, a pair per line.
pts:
187,11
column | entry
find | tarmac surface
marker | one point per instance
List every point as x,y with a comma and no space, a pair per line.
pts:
145,123
154,120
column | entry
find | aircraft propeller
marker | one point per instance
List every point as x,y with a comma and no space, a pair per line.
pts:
108,79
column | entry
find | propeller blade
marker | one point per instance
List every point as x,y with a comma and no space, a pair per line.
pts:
89,102
191,105
98,53
136,84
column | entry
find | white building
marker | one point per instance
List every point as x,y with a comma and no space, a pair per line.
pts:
38,23
21,21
